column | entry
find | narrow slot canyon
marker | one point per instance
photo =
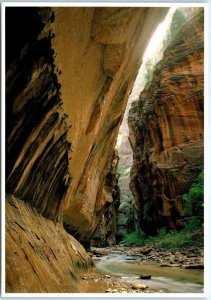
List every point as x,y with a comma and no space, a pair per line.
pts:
104,149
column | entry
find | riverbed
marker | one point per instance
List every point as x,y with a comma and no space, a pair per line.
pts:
119,272
129,268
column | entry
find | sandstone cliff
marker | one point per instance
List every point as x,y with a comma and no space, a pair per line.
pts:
99,60
89,57
69,72
166,131
105,234
36,143
41,257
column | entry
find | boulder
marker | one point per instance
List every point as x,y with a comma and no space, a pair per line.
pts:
139,286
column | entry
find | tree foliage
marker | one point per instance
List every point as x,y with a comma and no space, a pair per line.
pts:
178,20
149,72
190,235
194,200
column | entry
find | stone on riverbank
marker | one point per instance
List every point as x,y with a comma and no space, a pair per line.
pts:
139,286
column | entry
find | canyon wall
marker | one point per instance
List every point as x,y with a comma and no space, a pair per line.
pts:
37,149
41,257
166,131
72,67
69,72
99,59
105,235
125,213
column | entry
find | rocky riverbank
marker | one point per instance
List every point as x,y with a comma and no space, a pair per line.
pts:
191,258
95,283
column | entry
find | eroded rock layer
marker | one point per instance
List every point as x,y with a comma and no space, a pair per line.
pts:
99,51
41,257
166,131
37,147
105,235
90,57
65,66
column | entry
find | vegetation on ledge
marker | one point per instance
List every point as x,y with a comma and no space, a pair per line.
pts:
190,235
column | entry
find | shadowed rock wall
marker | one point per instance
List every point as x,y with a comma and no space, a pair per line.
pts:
40,255
105,235
76,69
64,67
36,143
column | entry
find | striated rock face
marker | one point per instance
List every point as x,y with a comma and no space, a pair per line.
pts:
105,234
36,130
41,257
66,67
166,131
99,51
90,60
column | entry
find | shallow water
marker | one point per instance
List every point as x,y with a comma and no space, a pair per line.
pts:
128,269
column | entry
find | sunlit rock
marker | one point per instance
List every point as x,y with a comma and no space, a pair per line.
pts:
166,131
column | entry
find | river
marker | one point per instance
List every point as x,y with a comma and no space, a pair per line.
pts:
128,269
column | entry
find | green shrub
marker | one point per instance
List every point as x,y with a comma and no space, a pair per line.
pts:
190,235
173,240
134,239
149,72
178,21
121,169
193,224
194,200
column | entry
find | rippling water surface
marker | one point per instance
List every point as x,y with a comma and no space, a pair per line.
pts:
173,280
